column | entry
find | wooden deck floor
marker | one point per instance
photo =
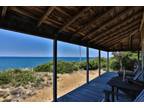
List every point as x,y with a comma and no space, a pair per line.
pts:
92,92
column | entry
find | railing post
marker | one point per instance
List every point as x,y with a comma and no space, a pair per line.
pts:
107,61
55,70
99,62
87,56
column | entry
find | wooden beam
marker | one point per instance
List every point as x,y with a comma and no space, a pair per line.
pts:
74,18
122,37
105,39
142,22
87,74
130,41
118,40
4,10
25,13
118,26
62,11
55,70
47,13
107,23
107,61
99,62
91,21
138,55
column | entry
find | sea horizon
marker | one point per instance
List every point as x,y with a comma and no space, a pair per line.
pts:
13,62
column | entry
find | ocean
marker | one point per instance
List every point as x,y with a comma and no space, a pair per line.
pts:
31,62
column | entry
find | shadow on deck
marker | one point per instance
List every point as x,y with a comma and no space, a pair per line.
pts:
92,92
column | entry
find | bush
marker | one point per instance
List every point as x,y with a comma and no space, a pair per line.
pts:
18,77
62,67
68,67
128,61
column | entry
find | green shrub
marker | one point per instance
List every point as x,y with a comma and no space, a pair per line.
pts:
62,67
18,77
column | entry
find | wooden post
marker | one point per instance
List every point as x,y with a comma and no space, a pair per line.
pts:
87,74
142,39
55,70
99,62
138,54
107,61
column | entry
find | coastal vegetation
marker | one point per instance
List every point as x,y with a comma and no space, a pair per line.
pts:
18,77
23,83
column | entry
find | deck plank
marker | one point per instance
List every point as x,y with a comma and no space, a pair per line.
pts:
92,92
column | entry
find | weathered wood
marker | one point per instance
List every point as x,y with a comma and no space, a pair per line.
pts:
25,20
116,27
93,20
74,18
25,13
87,73
142,22
92,92
122,37
62,11
4,10
47,13
99,62
107,61
118,33
55,70
109,22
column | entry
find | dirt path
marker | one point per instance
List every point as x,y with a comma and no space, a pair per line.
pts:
66,83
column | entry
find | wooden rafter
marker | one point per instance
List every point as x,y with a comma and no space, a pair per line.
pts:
116,27
4,10
121,37
93,20
62,11
15,9
117,33
142,22
130,39
109,22
47,13
73,19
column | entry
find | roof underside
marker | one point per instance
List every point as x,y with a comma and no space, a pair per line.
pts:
100,27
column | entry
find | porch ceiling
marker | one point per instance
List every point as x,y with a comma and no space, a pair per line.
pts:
100,27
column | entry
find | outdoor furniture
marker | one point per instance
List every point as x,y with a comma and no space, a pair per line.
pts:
130,74
130,89
139,98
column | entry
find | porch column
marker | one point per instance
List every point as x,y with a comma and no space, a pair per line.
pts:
55,70
138,56
107,61
142,44
99,62
142,40
87,73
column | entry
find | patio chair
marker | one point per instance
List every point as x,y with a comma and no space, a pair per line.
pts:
131,74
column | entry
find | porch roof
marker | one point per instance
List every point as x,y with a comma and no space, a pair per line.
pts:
100,27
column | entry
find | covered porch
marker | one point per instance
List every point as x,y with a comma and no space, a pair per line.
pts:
94,91
104,28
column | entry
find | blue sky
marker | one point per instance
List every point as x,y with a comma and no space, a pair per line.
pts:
18,44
